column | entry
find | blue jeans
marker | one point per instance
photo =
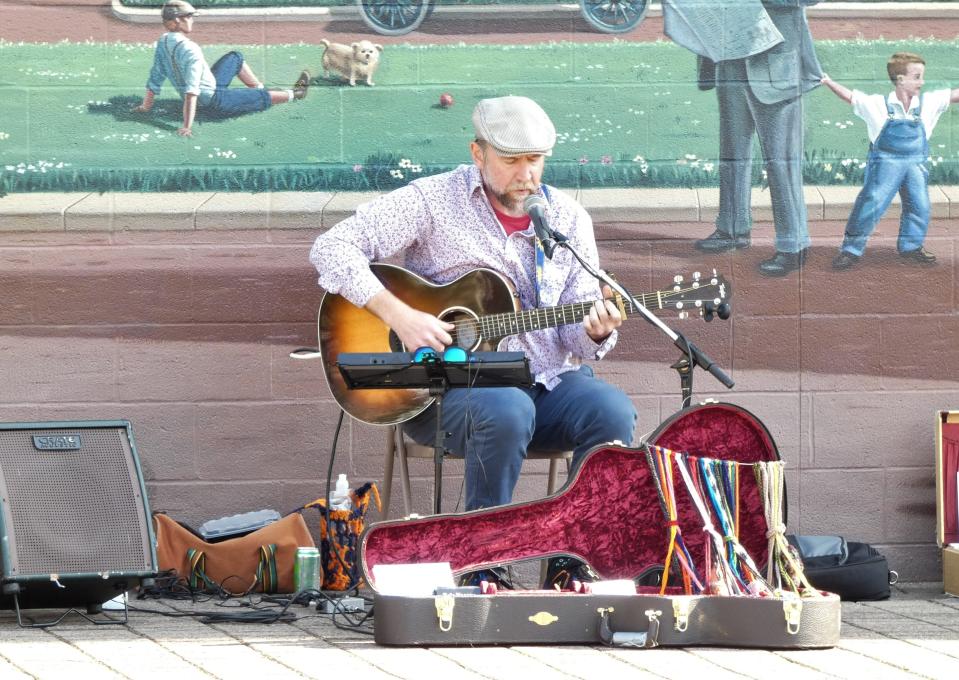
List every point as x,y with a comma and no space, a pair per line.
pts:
492,428
228,102
887,174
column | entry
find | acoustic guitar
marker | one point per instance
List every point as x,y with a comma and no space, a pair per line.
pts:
484,307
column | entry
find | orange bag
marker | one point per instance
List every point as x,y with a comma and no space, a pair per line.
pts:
261,561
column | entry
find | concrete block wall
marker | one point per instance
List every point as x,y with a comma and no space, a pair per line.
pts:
186,333
179,314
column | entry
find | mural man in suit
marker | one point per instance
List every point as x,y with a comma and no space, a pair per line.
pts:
759,56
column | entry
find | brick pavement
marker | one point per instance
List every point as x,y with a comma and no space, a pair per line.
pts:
913,635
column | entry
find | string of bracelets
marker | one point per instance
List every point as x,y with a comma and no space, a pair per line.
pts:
713,486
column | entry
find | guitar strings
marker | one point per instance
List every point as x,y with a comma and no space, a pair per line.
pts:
493,320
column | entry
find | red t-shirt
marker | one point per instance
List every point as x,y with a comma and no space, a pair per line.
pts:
510,223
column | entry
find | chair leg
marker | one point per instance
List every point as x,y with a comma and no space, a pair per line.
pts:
553,476
388,470
404,470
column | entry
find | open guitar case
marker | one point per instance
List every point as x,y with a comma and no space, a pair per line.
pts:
608,514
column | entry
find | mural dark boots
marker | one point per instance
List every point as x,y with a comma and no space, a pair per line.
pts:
720,242
920,256
845,260
301,86
782,263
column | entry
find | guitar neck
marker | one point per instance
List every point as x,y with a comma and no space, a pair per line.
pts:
495,327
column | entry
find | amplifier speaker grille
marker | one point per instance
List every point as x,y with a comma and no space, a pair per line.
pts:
72,511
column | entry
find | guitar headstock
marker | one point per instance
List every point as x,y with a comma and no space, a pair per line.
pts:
700,295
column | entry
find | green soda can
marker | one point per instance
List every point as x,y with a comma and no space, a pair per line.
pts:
307,572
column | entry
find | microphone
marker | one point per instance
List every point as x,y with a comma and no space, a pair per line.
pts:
535,207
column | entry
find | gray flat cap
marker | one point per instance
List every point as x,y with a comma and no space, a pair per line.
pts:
174,9
514,126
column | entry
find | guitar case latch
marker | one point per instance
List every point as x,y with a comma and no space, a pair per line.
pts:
444,611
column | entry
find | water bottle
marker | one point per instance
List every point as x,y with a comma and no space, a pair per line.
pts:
340,498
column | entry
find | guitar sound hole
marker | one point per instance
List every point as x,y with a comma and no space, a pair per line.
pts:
467,333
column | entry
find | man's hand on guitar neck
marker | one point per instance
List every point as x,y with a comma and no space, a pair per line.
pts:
603,317
414,328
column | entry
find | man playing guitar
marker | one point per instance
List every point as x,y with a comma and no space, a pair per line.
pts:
452,223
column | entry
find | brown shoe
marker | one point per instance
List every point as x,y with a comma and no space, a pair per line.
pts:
919,256
301,86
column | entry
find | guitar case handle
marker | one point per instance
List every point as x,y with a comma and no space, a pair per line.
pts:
647,640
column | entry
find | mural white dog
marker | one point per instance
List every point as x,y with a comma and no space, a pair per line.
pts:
357,60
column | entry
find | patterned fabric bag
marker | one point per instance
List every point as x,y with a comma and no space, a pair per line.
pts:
340,532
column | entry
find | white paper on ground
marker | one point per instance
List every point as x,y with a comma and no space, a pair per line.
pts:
118,603
412,579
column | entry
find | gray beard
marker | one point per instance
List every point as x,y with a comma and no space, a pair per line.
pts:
505,200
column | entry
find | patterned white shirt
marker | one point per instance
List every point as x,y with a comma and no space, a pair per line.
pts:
446,226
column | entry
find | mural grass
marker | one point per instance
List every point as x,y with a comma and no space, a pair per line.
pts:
627,114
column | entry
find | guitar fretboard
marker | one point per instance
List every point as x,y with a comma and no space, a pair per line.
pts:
496,326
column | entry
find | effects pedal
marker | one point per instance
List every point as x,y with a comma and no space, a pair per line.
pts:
342,605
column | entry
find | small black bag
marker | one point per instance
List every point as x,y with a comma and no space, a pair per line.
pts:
854,571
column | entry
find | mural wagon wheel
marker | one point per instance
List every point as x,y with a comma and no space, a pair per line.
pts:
614,16
394,17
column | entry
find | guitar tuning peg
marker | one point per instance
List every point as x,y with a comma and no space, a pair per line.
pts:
696,276
684,314
678,278
724,311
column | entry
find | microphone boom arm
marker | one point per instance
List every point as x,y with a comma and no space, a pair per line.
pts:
696,356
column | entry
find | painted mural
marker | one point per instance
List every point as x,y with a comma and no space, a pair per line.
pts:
629,113
750,102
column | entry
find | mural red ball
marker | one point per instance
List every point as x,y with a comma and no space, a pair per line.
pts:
446,100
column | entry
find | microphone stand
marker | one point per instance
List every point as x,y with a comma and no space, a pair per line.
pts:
692,355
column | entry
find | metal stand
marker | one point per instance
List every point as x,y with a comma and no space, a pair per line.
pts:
692,355
392,370
438,389
685,380
91,609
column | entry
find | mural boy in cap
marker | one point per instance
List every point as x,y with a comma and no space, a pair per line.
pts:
899,127
180,60
451,223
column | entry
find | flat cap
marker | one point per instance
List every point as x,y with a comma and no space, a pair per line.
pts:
174,9
514,126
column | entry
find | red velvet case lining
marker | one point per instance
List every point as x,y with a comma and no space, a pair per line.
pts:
608,514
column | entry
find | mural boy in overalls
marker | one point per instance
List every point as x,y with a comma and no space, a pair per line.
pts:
899,127
180,60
